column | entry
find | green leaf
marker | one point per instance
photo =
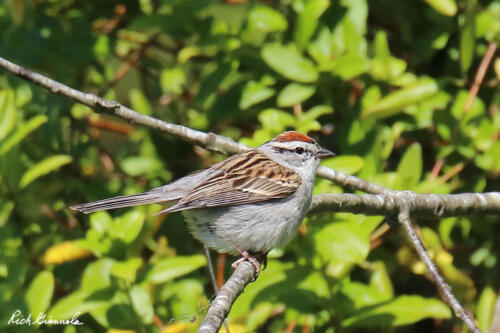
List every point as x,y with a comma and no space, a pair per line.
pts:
445,7
253,93
396,101
276,120
402,310
266,19
349,66
321,50
307,120
39,293
295,93
44,167
126,269
173,80
170,268
139,102
362,295
486,309
23,95
349,164
97,275
468,36
410,167
139,165
101,221
21,132
8,114
5,210
343,242
141,303
289,62
70,305
127,227
308,21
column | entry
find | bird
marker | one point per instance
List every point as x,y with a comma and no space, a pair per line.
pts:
245,205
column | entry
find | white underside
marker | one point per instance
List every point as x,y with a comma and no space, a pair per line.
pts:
256,228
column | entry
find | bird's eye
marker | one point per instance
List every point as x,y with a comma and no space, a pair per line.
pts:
299,150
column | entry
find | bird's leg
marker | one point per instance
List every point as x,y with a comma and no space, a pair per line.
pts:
245,255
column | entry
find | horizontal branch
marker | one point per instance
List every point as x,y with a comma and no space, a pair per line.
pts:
418,204
209,140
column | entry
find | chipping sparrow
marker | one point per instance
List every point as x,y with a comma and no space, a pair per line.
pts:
247,204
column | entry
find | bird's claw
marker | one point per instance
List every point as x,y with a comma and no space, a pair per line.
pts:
245,256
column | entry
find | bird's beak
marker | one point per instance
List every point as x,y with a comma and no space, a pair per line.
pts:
322,153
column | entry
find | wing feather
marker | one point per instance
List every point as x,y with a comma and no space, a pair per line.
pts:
246,178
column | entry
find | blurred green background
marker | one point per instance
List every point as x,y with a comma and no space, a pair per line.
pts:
384,84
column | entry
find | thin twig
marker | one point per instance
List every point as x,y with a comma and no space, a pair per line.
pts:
444,288
481,72
212,277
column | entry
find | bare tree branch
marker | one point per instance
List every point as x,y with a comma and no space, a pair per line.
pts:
444,288
481,72
209,140
222,303
419,204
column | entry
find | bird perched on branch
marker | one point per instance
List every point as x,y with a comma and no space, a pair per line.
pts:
247,204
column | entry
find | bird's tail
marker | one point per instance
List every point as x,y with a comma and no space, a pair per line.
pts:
120,202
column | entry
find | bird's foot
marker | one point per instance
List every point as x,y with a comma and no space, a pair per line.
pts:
246,256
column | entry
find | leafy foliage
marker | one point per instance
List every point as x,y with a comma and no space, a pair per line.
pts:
384,84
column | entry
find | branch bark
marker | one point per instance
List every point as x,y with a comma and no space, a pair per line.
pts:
444,288
222,303
209,140
418,204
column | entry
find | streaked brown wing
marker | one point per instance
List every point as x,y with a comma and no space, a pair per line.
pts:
247,178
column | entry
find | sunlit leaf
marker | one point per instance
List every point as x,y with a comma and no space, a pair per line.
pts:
308,20
39,293
64,252
468,36
266,19
6,209
126,269
486,308
343,242
139,102
21,132
253,93
410,167
402,310
8,114
287,61
141,302
44,167
171,268
396,101
349,164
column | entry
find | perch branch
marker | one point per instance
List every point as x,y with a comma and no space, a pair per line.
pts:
209,140
419,204
222,303
444,288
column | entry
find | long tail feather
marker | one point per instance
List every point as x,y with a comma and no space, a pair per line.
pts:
120,202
